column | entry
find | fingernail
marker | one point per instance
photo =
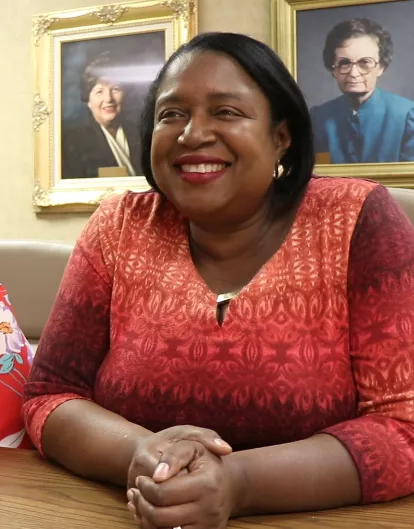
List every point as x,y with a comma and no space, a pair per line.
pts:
131,508
221,443
130,495
161,471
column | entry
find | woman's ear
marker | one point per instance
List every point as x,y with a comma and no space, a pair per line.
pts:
282,138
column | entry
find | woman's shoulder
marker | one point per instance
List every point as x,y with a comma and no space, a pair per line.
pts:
326,109
133,213
399,103
141,206
340,190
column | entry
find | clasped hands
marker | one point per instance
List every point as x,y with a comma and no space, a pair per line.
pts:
179,478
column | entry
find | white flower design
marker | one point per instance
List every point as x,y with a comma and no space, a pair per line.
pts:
11,337
13,441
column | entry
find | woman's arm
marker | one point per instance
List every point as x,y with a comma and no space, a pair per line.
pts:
61,417
407,144
377,446
313,474
90,441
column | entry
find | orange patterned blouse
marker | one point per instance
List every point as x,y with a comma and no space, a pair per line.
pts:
320,340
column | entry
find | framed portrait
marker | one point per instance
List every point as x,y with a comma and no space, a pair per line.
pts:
352,60
93,68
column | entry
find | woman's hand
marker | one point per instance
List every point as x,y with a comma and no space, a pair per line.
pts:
150,448
203,498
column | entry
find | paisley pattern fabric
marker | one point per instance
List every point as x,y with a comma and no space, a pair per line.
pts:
15,360
320,340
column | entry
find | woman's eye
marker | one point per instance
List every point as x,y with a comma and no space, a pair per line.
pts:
226,112
170,114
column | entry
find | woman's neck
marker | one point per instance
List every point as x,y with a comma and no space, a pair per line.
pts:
231,243
228,258
356,100
112,129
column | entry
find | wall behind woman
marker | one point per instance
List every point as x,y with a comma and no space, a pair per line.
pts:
17,219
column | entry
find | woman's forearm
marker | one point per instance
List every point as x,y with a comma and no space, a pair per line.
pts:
312,474
90,441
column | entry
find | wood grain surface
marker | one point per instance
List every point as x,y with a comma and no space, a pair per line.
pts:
35,494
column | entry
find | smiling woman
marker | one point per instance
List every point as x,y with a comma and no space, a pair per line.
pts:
244,302
191,112
108,140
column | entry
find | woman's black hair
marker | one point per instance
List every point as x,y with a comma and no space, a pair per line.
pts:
358,27
271,75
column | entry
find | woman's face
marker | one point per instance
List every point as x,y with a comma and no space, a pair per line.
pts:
214,148
356,82
105,102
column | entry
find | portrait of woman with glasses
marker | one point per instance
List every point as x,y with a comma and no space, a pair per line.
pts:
365,124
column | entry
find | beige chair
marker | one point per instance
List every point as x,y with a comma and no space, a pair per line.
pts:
31,272
406,199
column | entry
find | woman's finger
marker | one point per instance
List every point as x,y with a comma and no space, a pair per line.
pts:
138,502
175,491
209,438
141,465
172,516
175,458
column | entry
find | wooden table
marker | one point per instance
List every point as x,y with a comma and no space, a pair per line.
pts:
35,494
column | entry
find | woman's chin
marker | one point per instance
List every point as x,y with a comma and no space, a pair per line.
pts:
199,205
108,123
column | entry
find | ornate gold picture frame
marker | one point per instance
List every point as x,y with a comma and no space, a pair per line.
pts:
299,35
92,70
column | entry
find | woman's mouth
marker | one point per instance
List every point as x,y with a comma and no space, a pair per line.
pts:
203,167
202,173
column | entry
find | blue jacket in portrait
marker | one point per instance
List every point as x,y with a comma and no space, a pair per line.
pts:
380,131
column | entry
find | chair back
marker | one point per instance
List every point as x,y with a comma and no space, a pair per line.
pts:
31,271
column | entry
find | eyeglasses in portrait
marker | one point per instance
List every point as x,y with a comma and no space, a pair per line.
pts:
352,62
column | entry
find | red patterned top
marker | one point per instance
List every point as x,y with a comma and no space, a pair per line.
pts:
321,339
15,360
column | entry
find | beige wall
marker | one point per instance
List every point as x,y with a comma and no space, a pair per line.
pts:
17,219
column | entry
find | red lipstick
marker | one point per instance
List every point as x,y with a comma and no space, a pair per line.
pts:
213,169
195,159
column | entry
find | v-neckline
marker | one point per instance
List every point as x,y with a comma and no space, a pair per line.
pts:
210,297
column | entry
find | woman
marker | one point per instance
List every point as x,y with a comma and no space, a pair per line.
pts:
242,296
15,360
366,124
108,140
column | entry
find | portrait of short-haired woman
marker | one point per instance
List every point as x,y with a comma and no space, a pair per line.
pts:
366,124
108,139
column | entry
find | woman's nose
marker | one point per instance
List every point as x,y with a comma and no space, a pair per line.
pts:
197,131
354,71
107,94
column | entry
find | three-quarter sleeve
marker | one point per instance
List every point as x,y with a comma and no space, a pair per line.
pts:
76,337
381,322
